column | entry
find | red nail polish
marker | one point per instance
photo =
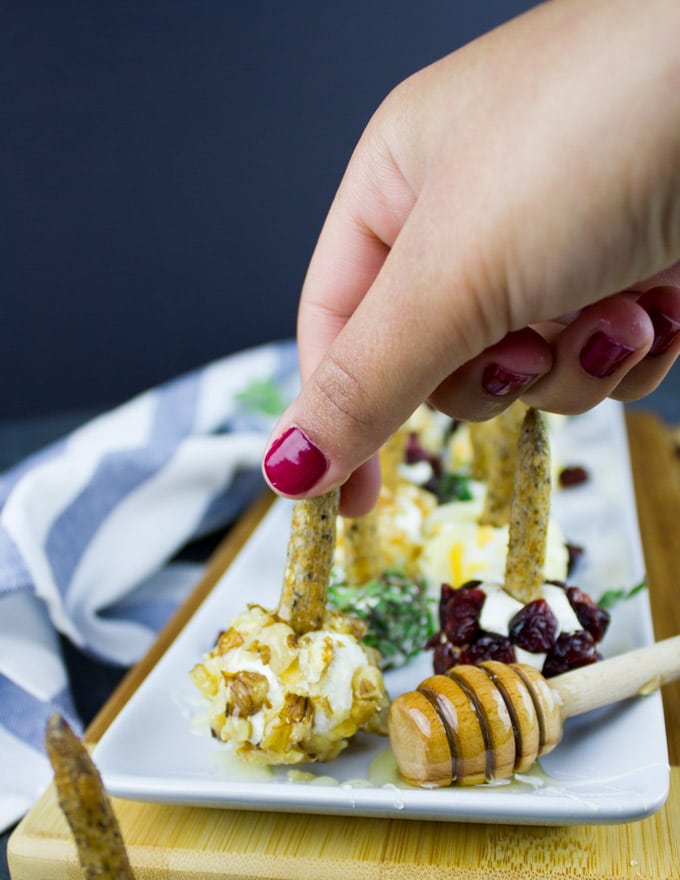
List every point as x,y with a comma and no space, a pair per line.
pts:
499,382
293,464
665,332
601,355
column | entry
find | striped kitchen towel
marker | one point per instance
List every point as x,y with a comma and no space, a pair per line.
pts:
89,525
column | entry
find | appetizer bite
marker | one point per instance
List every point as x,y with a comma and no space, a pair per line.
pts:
401,509
293,685
394,607
375,574
483,716
469,469
525,615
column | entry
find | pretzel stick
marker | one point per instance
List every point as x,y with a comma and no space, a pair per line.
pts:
86,805
530,512
501,458
482,437
392,455
362,548
308,564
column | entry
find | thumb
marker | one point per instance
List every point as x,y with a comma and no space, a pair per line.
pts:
362,366
396,345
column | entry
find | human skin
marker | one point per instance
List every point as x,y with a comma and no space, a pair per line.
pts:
507,227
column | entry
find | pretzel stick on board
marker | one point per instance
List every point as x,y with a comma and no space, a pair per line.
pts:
86,805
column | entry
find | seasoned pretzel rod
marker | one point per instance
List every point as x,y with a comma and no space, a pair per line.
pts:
480,723
392,455
362,548
85,804
308,563
482,436
530,512
501,459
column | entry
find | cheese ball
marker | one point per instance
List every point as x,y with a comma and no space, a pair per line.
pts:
275,697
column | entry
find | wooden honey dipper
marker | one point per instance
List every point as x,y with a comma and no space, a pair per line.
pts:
475,724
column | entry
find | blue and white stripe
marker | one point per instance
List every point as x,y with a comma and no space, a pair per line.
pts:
88,526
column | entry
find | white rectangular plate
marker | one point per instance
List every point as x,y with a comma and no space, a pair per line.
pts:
611,766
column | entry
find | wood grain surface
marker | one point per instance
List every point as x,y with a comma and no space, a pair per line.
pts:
656,475
169,842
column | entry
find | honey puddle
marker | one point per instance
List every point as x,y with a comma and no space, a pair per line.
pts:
382,773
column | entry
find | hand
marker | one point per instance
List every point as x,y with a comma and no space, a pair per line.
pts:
490,238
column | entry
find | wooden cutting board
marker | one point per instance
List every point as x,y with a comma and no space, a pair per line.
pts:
169,842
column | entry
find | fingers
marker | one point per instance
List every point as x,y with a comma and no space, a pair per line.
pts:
622,348
360,492
662,305
593,354
484,386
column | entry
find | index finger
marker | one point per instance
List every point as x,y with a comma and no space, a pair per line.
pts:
370,208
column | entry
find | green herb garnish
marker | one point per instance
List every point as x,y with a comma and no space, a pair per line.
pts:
611,597
263,396
453,487
396,612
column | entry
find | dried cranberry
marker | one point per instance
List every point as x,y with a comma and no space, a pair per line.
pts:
572,476
534,627
488,646
445,656
445,594
574,554
570,651
415,453
462,615
590,616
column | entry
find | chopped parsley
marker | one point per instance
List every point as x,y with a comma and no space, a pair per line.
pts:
453,487
611,597
396,612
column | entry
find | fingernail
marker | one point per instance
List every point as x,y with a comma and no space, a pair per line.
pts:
500,382
601,355
293,464
665,332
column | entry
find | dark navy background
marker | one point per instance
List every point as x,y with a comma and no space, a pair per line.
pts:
166,168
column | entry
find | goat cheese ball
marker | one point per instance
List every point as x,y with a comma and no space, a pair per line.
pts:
278,698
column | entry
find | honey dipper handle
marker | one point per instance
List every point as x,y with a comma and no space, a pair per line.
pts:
634,673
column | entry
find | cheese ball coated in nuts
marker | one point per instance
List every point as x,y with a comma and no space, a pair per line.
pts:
278,698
